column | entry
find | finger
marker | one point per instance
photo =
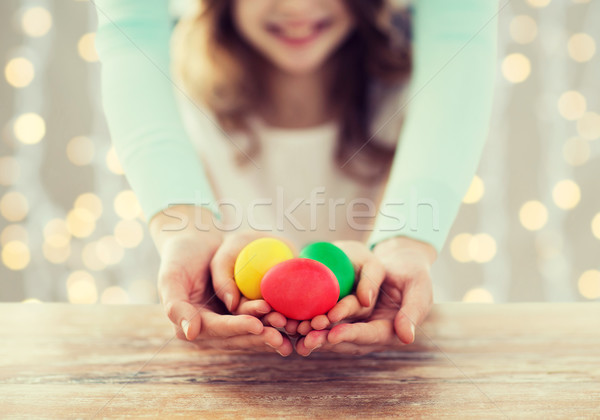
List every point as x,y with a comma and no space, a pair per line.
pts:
216,325
255,308
320,322
291,326
175,299
346,307
269,340
179,333
351,348
378,332
221,269
341,348
372,274
304,327
275,319
315,339
417,300
301,348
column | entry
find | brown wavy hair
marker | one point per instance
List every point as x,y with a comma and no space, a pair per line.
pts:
221,70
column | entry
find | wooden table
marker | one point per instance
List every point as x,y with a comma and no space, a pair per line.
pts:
470,361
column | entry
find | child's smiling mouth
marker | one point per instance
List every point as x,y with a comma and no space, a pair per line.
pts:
298,33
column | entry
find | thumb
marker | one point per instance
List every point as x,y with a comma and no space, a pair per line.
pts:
176,304
417,299
221,268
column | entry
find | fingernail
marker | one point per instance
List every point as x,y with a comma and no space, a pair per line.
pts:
371,297
228,300
185,326
319,346
412,328
280,353
270,345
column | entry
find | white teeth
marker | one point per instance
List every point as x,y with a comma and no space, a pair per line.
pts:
300,32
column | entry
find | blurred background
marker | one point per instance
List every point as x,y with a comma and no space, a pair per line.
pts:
71,230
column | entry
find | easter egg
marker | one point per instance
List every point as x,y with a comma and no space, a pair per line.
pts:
300,288
337,261
255,260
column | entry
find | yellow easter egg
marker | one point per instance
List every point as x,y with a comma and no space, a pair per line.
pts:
255,260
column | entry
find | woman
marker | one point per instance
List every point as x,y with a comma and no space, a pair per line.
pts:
299,48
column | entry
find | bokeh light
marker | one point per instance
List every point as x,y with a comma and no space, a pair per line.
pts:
516,68
19,72
478,295
87,48
114,295
15,255
31,300
576,151
80,151
581,47
533,215
89,257
538,3
56,233
81,222
588,126
56,254
129,233
572,105
589,284
113,163
14,206
14,232
566,194
596,225
475,191
523,29
482,248
81,288
126,205
90,202
9,170
36,22
459,247
109,250
29,128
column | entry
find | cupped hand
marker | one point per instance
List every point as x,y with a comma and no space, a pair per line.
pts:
223,280
405,299
369,273
186,291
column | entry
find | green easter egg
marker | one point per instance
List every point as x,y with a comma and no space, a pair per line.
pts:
336,260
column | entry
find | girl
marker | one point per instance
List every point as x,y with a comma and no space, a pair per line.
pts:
292,107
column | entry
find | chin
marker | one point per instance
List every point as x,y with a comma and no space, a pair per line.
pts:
299,65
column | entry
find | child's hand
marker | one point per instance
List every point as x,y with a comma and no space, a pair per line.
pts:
370,273
405,300
222,270
187,294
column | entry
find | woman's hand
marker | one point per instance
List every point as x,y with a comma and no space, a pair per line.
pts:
405,299
358,305
187,294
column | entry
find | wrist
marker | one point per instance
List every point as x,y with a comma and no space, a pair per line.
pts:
181,220
403,244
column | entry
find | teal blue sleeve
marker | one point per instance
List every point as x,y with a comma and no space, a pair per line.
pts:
147,131
447,119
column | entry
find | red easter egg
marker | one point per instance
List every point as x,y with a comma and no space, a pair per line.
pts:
300,288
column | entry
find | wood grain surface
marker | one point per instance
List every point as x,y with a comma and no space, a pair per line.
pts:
538,360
